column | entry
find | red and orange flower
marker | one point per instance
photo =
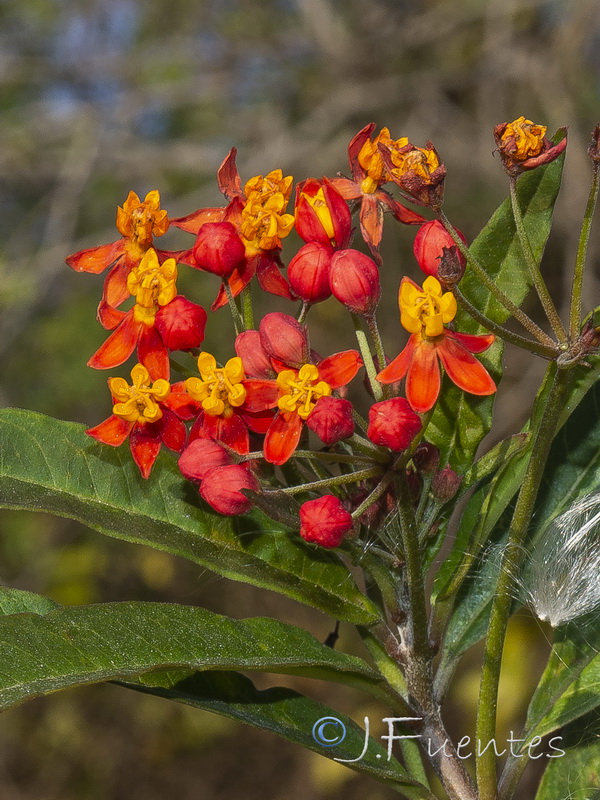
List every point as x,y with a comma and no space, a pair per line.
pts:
160,320
425,313
258,216
369,173
228,404
141,411
282,347
138,221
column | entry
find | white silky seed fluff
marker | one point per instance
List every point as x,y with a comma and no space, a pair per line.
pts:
561,580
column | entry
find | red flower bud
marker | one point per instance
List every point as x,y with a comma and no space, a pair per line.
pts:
181,324
322,214
331,419
429,244
324,521
393,424
354,281
284,338
218,248
257,363
426,457
221,488
308,272
200,456
445,484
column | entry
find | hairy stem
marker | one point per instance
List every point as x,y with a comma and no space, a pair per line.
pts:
548,420
534,269
539,349
494,290
365,351
584,237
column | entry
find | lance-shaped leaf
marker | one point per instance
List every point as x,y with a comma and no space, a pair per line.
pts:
44,653
573,771
49,465
460,420
286,713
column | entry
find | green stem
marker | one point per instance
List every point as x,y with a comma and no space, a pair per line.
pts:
338,480
247,310
374,496
512,338
513,555
303,311
534,269
379,350
419,655
238,322
366,447
584,237
340,458
365,351
494,290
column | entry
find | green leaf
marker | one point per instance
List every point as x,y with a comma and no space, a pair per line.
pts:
576,773
49,465
460,421
573,467
16,601
570,685
44,653
282,711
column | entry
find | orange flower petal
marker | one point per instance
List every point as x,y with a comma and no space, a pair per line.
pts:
119,345
282,438
115,286
172,430
463,369
144,443
269,276
231,431
398,368
472,343
339,369
112,431
239,278
260,395
228,176
371,220
108,316
423,377
349,190
193,222
152,353
96,259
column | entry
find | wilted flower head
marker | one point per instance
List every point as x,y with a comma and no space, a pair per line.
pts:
523,145
560,580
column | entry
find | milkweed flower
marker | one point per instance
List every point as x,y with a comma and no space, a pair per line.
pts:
258,216
369,173
417,171
560,579
324,521
159,321
141,412
523,145
425,313
321,213
228,404
138,222
281,348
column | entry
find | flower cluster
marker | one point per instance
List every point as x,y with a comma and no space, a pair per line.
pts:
273,415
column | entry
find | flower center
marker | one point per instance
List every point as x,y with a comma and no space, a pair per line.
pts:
301,390
218,389
264,221
528,138
419,161
140,401
138,220
372,162
426,311
152,284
